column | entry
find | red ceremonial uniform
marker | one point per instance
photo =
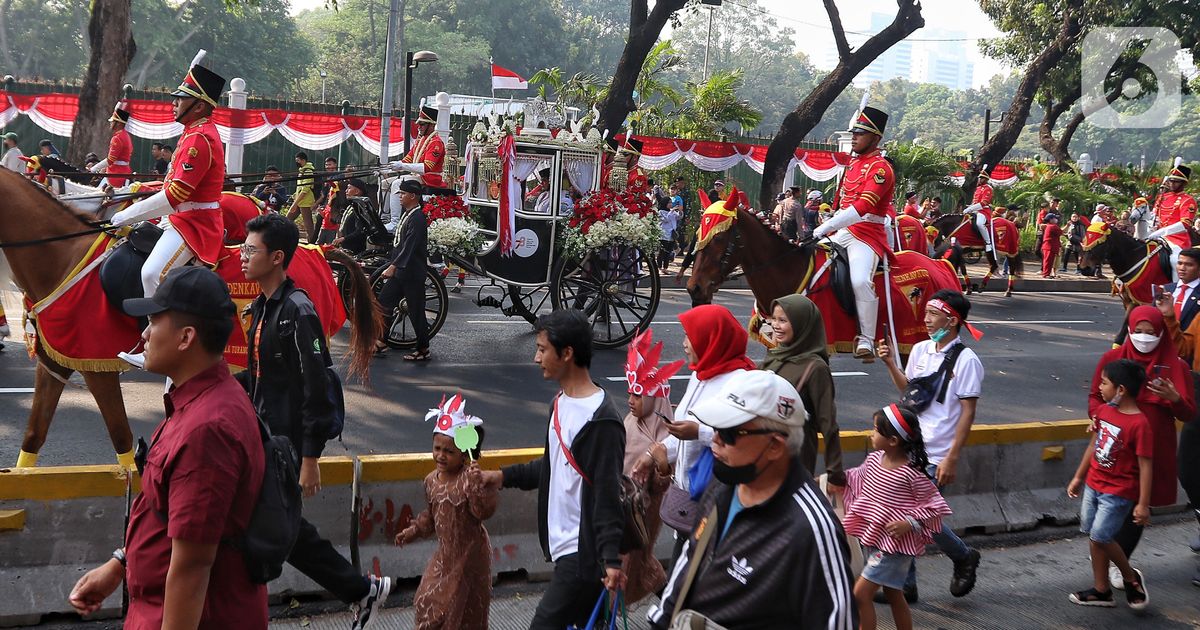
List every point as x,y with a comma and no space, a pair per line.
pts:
1172,208
194,190
430,151
867,188
911,209
200,483
983,197
120,152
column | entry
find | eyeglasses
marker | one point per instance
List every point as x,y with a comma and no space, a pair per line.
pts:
730,436
248,251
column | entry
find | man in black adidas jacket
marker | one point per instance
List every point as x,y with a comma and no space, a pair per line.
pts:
578,479
773,554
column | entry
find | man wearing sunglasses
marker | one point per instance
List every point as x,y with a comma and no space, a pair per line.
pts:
767,551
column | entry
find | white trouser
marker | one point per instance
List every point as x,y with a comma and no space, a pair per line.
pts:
169,253
984,230
862,271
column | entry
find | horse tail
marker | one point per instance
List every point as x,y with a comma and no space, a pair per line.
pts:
366,316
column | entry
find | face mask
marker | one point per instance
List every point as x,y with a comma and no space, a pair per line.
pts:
1116,400
1143,342
735,475
939,335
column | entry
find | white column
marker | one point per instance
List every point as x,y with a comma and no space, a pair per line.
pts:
237,136
442,101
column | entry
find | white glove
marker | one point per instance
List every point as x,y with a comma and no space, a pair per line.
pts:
975,207
100,166
1162,232
152,207
411,167
844,218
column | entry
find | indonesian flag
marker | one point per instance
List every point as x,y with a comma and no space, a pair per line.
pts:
505,79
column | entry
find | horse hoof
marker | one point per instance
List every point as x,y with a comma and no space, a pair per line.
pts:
1008,293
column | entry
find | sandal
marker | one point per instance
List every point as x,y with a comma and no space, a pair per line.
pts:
1135,592
1092,597
419,355
380,349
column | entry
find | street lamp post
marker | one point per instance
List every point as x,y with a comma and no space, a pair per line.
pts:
414,60
712,8
323,75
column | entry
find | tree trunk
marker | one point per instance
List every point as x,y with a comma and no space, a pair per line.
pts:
644,28
1018,111
1057,148
112,48
797,124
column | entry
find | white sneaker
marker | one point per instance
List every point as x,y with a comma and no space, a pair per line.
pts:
1115,578
368,608
864,349
137,360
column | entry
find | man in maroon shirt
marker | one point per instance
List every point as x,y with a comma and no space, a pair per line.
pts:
200,476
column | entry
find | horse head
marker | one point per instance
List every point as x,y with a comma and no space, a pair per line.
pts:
1102,242
945,224
34,169
717,252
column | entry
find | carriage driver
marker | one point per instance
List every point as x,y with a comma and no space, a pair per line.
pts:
427,155
981,209
191,191
862,203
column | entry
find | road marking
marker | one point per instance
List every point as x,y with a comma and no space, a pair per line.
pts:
16,390
679,377
1032,321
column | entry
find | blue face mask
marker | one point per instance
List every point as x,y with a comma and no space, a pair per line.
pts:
939,335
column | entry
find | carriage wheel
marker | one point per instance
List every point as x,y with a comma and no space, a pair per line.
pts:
972,256
341,278
528,301
617,288
398,331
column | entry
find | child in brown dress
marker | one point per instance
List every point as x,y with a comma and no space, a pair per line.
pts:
456,588
645,430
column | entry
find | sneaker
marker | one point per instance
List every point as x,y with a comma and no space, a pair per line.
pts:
368,608
1136,594
910,595
1115,578
863,349
1092,597
964,574
458,287
137,360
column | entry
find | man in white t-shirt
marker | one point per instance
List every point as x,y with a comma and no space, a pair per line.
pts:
12,154
578,479
946,422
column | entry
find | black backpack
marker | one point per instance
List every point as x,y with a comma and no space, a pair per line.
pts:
275,522
923,390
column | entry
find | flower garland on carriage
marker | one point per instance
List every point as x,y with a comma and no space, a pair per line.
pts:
607,218
453,230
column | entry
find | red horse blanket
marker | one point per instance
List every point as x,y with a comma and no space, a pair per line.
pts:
91,343
1008,239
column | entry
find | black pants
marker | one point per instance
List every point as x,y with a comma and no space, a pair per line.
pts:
666,253
1189,463
569,598
315,557
412,289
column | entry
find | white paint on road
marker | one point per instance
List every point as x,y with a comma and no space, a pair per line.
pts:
16,390
681,377
1032,321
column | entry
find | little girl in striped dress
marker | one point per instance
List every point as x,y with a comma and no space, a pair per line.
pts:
892,506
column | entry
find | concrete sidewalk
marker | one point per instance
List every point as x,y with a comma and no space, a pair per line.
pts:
1020,586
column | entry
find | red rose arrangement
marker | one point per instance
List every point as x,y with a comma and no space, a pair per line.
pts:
446,207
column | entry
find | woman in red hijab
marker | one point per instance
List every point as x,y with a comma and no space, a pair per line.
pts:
715,345
1166,397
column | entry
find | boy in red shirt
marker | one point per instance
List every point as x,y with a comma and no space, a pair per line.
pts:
1117,468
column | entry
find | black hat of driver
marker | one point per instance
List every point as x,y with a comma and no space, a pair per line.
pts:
192,290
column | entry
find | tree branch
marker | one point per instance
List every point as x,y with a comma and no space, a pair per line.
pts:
839,33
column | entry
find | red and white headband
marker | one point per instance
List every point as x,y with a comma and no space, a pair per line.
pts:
949,310
892,412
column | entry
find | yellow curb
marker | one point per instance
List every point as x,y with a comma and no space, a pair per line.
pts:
71,482
12,520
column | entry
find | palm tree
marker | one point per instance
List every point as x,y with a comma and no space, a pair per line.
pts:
922,169
712,105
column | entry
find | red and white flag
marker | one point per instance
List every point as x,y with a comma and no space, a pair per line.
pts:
505,79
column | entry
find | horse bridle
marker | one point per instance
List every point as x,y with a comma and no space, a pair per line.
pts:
734,241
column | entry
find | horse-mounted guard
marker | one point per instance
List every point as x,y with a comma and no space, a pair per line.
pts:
980,210
120,150
1175,210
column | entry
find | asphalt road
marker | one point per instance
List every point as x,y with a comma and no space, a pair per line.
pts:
1039,352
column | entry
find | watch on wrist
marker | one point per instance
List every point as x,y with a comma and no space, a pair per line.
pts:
119,555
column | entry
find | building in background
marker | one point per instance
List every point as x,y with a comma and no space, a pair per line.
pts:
943,62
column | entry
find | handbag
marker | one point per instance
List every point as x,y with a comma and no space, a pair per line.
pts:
838,503
678,509
635,535
923,390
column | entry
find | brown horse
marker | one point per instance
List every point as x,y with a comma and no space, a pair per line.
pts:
41,253
774,268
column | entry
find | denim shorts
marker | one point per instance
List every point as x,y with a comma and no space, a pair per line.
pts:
886,569
1101,515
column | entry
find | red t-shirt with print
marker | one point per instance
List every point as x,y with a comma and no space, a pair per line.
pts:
1120,439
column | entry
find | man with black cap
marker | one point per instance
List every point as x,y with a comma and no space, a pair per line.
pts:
1175,210
862,203
767,551
120,149
12,154
428,153
191,193
200,475
406,272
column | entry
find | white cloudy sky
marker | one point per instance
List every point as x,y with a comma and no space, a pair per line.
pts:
807,18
